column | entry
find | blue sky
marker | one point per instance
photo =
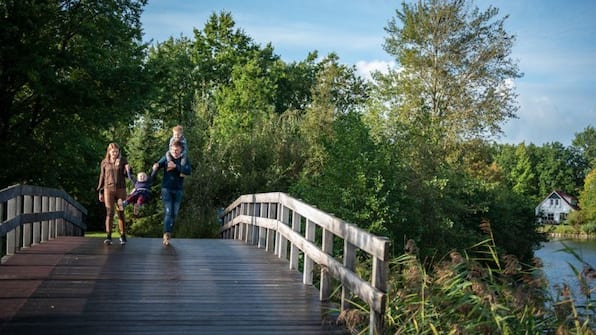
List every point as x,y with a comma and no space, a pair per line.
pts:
555,47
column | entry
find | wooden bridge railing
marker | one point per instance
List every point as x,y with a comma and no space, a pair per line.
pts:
34,214
272,220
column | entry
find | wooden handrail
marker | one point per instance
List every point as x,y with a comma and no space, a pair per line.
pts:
35,214
272,220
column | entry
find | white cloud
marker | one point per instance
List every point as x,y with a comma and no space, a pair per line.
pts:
365,68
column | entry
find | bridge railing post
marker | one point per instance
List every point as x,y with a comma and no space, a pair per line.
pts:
12,211
278,220
294,251
29,215
283,242
309,234
36,224
379,281
325,285
349,263
27,229
270,238
52,222
45,224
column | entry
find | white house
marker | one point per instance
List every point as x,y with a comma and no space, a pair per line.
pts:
555,208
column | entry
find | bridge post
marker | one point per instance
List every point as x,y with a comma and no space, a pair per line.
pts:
270,238
262,236
349,263
294,252
309,234
52,222
27,209
45,207
60,231
36,224
11,236
282,241
379,281
327,247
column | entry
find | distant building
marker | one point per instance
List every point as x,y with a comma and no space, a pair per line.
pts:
555,208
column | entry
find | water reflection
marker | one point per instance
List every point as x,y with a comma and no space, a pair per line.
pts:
557,263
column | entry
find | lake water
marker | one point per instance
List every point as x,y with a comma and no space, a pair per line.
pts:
557,263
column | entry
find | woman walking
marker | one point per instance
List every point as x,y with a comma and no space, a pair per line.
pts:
112,189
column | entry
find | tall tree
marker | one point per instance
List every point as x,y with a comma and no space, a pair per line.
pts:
70,71
337,91
587,199
449,91
454,68
556,169
585,142
523,176
174,81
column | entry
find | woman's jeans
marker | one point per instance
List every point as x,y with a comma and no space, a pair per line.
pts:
171,201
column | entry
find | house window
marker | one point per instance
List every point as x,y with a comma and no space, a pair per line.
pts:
550,216
551,202
562,217
557,202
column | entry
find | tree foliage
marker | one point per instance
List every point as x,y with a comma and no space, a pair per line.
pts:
449,92
454,68
587,198
70,74
585,143
404,155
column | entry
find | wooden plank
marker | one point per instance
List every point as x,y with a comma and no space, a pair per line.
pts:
191,287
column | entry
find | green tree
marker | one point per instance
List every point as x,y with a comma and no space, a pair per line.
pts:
585,143
337,90
556,169
71,74
454,62
174,78
522,175
448,94
351,183
587,199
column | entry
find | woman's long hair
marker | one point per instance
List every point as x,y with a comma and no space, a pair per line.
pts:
111,146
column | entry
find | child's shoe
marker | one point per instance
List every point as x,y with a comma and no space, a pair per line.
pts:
166,239
124,204
136,210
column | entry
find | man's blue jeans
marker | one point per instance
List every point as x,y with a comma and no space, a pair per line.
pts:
171,202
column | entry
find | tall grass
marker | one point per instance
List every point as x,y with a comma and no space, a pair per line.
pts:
478,291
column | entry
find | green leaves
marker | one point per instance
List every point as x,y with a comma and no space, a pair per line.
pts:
70,70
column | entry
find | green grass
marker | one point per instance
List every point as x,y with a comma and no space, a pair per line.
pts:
101,234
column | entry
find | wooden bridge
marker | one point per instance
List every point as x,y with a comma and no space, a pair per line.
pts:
55,281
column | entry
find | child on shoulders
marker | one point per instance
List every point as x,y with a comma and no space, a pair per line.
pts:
178,135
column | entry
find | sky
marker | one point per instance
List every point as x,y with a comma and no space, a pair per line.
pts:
555,47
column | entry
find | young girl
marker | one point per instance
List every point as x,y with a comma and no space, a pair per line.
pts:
141,192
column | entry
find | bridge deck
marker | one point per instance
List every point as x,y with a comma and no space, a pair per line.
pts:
76,285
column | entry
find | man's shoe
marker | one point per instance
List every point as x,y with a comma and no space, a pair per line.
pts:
108,240
123,239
